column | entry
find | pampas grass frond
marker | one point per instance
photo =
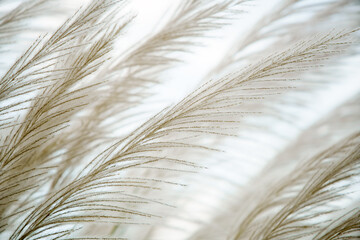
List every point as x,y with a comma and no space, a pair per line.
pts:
326,170
75,165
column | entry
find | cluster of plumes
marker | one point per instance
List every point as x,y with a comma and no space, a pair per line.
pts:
68,173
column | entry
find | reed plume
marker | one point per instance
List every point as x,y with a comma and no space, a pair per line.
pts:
258,149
